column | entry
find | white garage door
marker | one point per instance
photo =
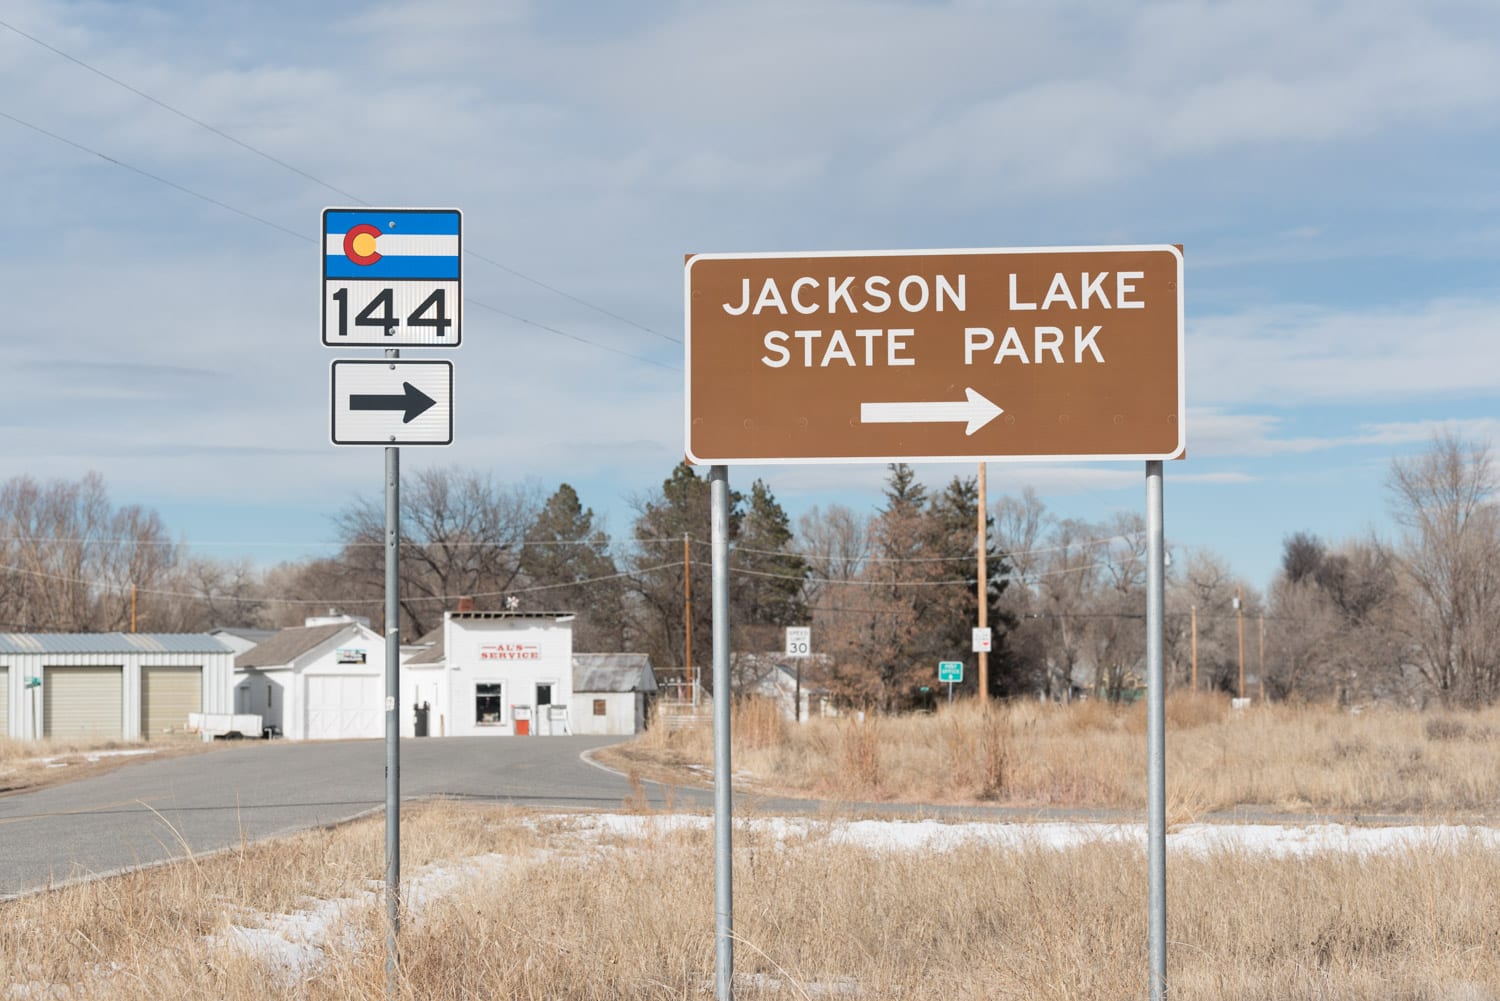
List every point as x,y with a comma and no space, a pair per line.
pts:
82,703
168,694
340,707
4,701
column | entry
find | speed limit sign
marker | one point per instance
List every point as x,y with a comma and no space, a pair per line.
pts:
798,641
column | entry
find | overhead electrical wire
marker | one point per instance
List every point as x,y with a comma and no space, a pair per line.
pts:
469,300
250,147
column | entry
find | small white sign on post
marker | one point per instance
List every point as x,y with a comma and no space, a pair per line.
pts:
984,640
799,641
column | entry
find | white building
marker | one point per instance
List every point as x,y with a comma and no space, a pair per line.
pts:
611,692
321,681
492,674
786,681
110,686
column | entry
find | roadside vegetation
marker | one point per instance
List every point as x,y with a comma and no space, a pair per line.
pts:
1092,754
31,764
509,904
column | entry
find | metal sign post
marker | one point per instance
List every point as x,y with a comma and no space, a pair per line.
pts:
392,714
723,791
952,672
1156,740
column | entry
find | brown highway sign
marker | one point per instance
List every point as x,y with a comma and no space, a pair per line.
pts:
935,355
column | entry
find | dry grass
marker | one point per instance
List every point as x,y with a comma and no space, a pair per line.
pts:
633,918
32,764
1286,758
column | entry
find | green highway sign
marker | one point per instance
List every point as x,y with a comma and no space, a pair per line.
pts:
951,670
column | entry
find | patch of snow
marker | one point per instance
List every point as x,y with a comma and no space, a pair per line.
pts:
51,760
937,836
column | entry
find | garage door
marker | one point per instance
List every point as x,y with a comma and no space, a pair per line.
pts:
82,703
168,694
341,707
4,701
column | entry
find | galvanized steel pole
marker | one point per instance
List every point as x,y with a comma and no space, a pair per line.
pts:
392,706
1156,740
723,793
984,592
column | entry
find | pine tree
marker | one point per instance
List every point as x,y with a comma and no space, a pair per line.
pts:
570,558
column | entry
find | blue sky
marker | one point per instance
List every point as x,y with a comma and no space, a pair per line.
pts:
1330,169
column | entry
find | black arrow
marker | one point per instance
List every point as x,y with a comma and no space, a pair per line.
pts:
411,399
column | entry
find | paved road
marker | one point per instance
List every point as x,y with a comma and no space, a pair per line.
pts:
150,811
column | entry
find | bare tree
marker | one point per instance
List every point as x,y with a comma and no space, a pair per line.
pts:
461,536
1449,562
70,560
836,544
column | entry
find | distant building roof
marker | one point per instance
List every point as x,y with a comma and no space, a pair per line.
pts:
480,616
289,644
613,672
14,643
245,631
434,654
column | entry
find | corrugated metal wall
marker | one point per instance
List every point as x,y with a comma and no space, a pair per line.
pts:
4,701
216,693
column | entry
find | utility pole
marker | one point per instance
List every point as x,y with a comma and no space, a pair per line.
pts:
984,593
1239,614
1195,647
1262,674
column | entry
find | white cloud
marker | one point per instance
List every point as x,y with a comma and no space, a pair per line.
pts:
1300,354
1220,434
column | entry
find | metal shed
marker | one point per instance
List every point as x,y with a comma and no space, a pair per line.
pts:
110,686
611,692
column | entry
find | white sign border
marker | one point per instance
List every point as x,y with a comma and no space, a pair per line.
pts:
687,340
458,320
333,403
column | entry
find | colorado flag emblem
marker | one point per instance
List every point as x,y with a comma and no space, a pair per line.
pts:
387,244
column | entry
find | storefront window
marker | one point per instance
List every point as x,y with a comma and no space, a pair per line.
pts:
489,708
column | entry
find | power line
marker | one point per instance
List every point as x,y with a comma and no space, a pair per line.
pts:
568,295
158,178
303,236
249,147
182,114
572,337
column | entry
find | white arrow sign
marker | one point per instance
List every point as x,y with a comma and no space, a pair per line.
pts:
976,411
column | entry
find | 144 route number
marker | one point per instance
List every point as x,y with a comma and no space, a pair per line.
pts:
391,315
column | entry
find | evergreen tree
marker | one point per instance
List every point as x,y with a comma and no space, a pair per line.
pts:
570,558
679,511
767,583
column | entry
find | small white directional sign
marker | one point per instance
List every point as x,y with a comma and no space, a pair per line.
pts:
392,402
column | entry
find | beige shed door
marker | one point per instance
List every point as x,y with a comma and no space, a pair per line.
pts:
82,702
168,694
